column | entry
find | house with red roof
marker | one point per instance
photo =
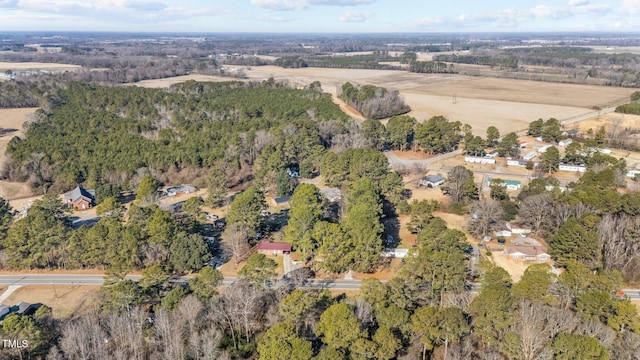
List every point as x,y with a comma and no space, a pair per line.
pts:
272,248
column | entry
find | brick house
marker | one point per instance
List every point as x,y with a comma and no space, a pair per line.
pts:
80,198
273,248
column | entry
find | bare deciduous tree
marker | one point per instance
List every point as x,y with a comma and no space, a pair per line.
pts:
536,210
236,237
456,180
85,339
486,217
169,331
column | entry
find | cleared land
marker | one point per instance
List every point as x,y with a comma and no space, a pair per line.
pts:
481,102
65,300
4,66
11,121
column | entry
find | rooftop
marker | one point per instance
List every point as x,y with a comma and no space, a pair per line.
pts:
434,178
78,192
270,245
527,250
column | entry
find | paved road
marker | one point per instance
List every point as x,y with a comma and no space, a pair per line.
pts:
72,279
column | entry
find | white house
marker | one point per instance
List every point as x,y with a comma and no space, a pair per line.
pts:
479,160
510,184
565,142
523,144
544,149
503,233
527,253
518,229
604,151
431,181
573,168
551,187
633,173
492,154
530,155
514,162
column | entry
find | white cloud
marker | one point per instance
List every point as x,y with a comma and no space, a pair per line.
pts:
272,18
281,5
578,2
510,18
341,2
631,7
355,16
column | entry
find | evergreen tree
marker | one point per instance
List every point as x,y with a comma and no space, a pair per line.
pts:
305,212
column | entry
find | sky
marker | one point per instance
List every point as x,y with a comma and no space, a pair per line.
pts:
325,16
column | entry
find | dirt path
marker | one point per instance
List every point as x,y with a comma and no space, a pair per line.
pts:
10,289
348,109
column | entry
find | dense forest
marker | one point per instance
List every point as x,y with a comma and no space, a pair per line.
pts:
191,125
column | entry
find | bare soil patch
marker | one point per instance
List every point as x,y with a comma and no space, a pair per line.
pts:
515,268
65,300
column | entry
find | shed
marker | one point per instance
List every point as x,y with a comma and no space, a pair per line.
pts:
281,201
273,248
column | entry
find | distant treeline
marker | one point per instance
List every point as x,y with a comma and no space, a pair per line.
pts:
576,63
368,61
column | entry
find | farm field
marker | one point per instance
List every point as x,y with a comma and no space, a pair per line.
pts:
4,66
481,102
